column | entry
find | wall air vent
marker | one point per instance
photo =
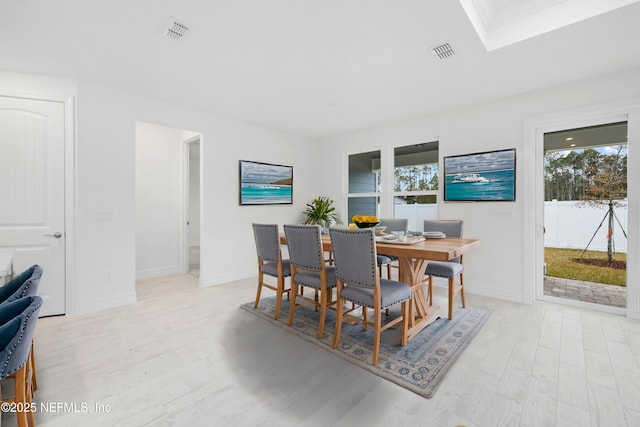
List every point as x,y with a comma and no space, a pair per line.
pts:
444,51
175,29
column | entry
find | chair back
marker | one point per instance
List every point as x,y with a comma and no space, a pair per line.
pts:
25,284
267,241
354,254
452,228
395,224
305,246
18,320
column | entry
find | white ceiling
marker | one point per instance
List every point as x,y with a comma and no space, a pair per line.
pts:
315,68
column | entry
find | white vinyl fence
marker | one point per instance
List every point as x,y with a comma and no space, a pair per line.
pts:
571,224
416,214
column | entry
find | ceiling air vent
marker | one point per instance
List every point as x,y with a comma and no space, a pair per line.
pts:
175,29
444,51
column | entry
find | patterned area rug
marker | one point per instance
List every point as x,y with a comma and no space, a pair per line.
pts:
420,366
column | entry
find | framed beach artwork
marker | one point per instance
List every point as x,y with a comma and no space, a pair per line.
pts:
481,177
265,183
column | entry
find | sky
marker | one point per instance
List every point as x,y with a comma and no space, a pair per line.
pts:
264,173
481,162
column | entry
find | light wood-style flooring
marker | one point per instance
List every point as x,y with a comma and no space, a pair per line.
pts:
188,356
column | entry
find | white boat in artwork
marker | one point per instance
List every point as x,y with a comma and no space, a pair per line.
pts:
468,178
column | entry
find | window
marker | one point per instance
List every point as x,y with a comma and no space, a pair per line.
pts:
364,184
416,183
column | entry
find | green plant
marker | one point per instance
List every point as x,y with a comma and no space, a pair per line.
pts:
321,211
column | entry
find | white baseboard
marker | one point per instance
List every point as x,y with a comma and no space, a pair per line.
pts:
157,272
485,291
100,304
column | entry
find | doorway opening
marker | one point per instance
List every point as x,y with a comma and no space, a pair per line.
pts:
192,205
166,226
585,215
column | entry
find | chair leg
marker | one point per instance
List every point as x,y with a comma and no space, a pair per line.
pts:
339,310
292,301
376,336
464,305
323,313
365,317
405,322
260,279
279,293
430,290
21,395
32,360
452,285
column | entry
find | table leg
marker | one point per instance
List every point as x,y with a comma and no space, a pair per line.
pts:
422,314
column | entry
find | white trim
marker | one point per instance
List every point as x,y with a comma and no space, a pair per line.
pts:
157,272
186,198
100,304
70,190
534,129
583,304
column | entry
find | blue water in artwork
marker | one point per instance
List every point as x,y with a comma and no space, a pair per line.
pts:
259,194
500,187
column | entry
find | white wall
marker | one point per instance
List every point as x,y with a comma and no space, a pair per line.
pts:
105,181
106,159
159,199
496,268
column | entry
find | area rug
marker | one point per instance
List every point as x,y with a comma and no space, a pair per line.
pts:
420,366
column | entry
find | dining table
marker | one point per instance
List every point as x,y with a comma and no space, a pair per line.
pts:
413,256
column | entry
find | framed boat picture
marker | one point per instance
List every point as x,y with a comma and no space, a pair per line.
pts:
489,176
265,183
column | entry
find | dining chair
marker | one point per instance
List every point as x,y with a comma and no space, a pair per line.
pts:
17,324
309,269
270,263
392,224
359,282
25,284
446,269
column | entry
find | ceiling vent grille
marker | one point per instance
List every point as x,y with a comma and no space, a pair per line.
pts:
175,29
444,51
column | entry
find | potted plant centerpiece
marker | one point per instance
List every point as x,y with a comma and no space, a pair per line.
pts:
322,212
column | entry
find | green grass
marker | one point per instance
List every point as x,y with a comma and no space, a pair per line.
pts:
559,264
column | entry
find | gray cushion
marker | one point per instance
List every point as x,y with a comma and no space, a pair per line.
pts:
443,269
391,293
311,279
271,268
384,260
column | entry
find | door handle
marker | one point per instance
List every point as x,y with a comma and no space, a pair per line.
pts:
57,235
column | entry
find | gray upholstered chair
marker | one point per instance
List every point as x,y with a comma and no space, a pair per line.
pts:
446,269
354,254
17,324
270,262
394,224
309,269
25,284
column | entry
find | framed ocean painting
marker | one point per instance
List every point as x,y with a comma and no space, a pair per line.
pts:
481,177
265,183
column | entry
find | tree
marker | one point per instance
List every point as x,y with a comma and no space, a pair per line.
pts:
609,188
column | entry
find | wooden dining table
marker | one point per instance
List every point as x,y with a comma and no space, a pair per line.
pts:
413,259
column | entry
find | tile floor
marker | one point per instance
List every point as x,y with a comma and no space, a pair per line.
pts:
189,356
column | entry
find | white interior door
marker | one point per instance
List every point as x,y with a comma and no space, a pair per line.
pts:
32,192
